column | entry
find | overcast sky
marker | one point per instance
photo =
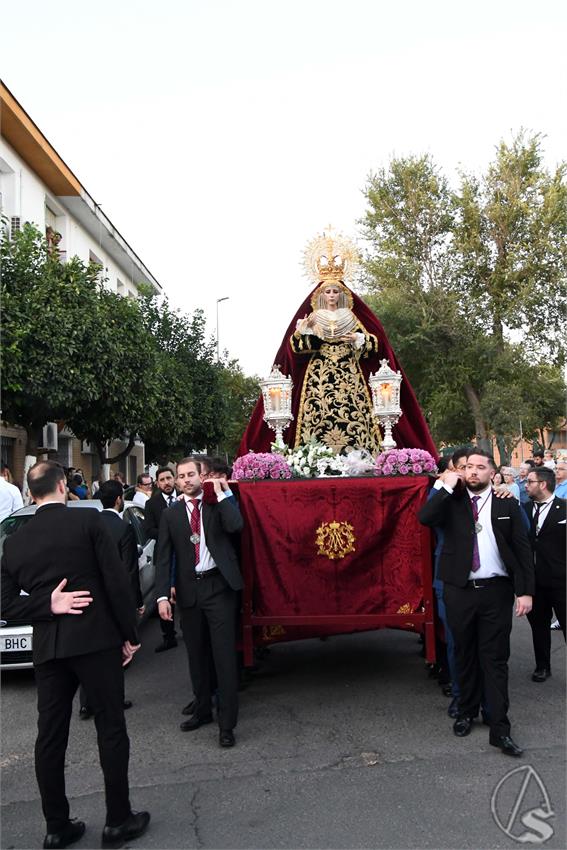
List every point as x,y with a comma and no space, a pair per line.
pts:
220,136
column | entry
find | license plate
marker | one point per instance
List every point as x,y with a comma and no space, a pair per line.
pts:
15,643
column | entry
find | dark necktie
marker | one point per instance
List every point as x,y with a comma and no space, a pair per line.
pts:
475,553
170,500
196,526
535,518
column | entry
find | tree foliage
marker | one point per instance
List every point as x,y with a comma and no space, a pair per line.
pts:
458,275
50,318
240,394
110,367
510,246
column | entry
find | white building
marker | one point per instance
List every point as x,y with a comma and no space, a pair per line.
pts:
37,186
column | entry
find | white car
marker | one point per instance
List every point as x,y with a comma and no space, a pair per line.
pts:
16,638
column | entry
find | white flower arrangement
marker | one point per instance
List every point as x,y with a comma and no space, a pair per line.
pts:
316,460
311,460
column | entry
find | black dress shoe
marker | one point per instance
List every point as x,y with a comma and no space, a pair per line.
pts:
462,726
133,827
74,830
167,644
194,722
85,713
128,704
190,708
506,744
453,710
540,674
226,738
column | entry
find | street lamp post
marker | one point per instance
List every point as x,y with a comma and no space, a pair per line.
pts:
226,297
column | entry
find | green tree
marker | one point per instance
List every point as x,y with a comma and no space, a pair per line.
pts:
128,391
447,301
72,350
240,394
112,368
49,322
191,414
510,247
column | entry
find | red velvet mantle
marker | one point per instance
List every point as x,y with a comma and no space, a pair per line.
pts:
410,432
291,591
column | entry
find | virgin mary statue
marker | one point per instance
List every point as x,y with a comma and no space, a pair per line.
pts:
330,348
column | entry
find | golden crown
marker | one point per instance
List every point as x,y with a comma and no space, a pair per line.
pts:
330,257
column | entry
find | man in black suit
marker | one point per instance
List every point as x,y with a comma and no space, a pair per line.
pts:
61,548
164,497
207,583
485,559
546,514
111,494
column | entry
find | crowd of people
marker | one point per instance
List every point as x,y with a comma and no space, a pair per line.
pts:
493,546
500,547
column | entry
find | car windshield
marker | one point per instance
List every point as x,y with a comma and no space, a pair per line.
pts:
10,525
134,514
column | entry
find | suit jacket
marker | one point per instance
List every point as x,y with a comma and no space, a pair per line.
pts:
219,520
153,510
125,539
453,513
59,543
549,544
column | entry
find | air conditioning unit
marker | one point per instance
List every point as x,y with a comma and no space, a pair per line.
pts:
48,437
87,448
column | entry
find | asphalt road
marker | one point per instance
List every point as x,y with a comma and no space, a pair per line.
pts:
341,744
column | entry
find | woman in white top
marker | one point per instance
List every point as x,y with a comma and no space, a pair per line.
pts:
510,481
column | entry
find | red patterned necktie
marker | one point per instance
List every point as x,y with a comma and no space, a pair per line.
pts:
196,525
475,553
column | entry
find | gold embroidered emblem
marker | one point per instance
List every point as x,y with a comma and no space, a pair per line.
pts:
269,632
404,609
335,539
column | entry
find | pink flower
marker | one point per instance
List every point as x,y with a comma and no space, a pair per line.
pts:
404,462
258,465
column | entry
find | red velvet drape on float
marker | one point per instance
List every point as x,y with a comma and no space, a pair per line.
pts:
410,432
291,529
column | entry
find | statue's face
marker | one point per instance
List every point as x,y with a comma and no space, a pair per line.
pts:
331,294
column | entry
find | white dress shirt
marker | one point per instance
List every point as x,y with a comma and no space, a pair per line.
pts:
10,498
543,509
140,498
206,560
491,563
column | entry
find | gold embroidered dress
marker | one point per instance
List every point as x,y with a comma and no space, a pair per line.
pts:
335,406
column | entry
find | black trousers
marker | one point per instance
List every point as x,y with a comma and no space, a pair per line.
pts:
545,599
102,677
210,627
481,621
